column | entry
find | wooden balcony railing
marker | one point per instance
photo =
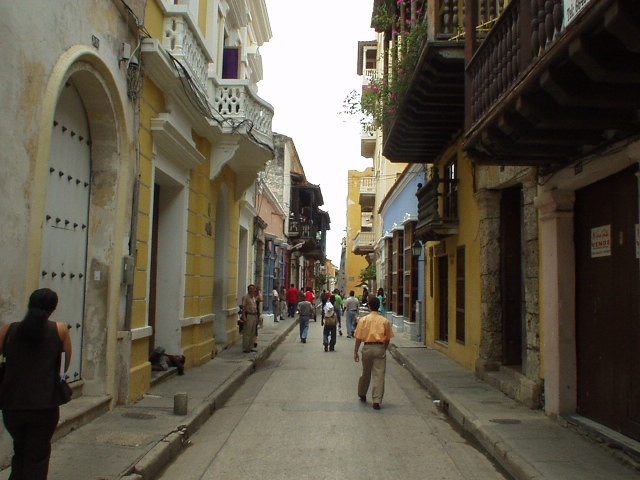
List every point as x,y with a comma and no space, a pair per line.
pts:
302,228
450,18
522,33
432,225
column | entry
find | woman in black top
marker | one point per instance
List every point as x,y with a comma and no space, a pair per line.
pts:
29,397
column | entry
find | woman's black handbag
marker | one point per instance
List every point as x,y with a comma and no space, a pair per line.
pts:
63,391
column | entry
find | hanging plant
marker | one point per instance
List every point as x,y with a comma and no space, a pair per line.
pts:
378,102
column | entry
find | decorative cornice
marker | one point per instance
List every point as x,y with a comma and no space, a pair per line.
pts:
169,139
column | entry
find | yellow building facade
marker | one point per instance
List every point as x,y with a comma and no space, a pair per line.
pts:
452,269
359,228
196,162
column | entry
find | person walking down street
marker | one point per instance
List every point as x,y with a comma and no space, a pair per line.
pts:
305,310
351,306
383,302
275,301
365,296
259,321
329,323
324,297
310,297
338,307
249,319
292,300
283,303
375,332
28,393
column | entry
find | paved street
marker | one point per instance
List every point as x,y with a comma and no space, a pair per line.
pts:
298,417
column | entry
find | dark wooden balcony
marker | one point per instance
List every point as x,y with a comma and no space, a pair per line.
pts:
437,211
547,86
302,227
432,110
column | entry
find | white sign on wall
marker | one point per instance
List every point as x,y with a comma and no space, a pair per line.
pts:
572,8
601,241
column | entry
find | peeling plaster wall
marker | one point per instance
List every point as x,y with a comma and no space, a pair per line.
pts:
79,41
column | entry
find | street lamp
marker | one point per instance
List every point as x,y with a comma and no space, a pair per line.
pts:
416,248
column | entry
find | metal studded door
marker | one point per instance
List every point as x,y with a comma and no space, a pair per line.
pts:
66,218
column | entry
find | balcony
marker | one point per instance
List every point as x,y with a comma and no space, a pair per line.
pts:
243,111
553,82
226,112
366,221
432,109
363,243
310,238
433,226
368,141
367,195
302,228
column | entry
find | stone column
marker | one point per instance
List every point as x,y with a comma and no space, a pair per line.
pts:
490,354
557,260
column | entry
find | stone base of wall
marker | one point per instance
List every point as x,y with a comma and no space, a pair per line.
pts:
411,329
515,385
398,322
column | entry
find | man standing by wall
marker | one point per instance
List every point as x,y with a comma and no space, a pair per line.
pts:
275,299
249,318
375,332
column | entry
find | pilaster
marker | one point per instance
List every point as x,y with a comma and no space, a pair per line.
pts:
557,262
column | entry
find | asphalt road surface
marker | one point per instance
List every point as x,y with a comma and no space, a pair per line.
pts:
299,417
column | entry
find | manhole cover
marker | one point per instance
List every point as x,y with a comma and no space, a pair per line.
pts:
505,421
139,416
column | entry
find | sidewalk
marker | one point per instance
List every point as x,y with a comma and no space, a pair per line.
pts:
136,442
526,443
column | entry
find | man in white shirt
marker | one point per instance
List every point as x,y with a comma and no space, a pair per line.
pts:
275,300
351,306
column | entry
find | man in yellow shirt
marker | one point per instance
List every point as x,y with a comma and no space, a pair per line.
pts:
375,331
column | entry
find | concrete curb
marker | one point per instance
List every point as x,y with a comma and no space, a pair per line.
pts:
168,448
490,440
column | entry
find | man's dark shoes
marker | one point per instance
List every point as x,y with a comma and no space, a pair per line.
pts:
326,348
362,398
376,406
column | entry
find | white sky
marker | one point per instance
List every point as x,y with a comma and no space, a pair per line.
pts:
310,66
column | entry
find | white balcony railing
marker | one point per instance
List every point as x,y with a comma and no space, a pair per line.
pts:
370,75
368,132
363,242
366,220
368,185
180,39
233,99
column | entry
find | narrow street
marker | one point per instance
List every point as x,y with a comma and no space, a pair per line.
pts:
298,417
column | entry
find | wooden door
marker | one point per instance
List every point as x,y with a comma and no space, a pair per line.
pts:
607,323
65,225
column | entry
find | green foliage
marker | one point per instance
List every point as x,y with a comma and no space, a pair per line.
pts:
321,282
368,273
379,101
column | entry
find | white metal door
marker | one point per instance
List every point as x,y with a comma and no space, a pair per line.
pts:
65,226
